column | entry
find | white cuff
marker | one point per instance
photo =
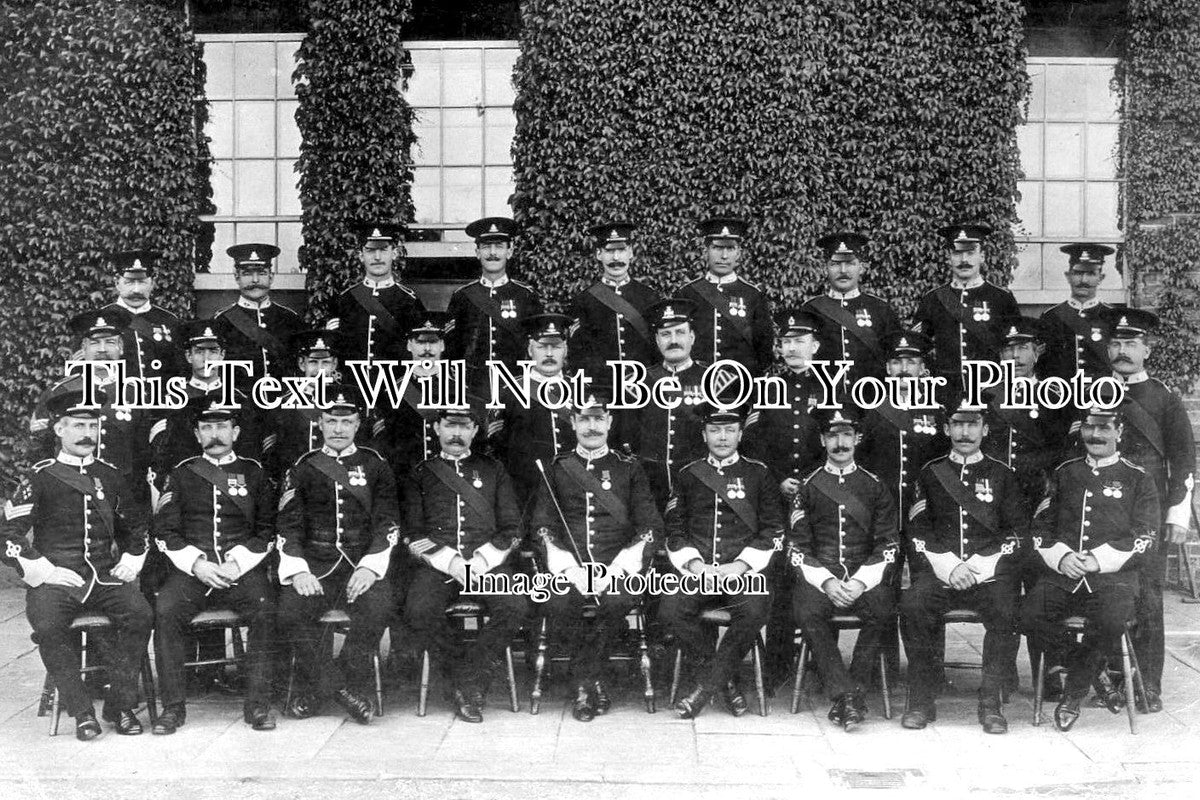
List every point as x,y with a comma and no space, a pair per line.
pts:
441,559
135,563
479,565
984,567
1181,513
377,562
185,558
756,559
492,556
290,566
681,558
870,575
1110,558
35,571
943,564
558,560
629,560
816,576
245,559
1053,554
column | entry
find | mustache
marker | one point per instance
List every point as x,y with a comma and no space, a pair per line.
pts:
964,441
213,443
1122,360
457,440
1094,440
88,442
841,450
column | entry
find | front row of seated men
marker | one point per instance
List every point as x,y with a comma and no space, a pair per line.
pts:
340,515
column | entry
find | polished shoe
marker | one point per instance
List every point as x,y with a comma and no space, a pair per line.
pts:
735,701
170,720
1151,703
992,718
581,708
259,717
466,706
86,727
855,711
1067,712
127,723
600,699
916,719
837,712
690,706
302,706
1109,695
360,710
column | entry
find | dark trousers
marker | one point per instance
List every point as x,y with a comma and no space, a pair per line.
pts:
1107,608
184,596
316,670
1149,639
679,615
921,609
51,609
429,592
812,610
781,628
588,641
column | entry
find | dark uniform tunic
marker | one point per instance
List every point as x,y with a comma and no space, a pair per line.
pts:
843,525
896,443
1107,508
852,327
787,439
232,519
738,326
1076,338
1030,442
81,515
368,335
667,439
485,323
152,343
174,434
267,349
965,324
526,435
606,330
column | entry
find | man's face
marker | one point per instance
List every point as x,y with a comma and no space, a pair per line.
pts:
216,436
615,257
135,291
676,342
493,256
844,275
965,265
548,355
591,428
201,355
77,436
1084,282
425,347
906,367
313,365
103,347
721,255
839,445
339,430
378,258
1100,436
1128,356
1024,355
455,434
966,434
254,283
722,438
798,351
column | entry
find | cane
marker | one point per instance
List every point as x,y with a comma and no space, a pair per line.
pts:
563,518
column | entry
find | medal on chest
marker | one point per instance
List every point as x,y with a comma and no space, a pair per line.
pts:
1096,335
358,476
981,313
99,489
924,424
983,490
237,485
508,309
161,333
476,481
1113,489
735,490
605,480
691,395
863,318
737,306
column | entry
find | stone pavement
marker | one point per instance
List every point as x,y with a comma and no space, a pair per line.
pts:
626,754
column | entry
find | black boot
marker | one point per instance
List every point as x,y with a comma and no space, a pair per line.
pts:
690,706
990,716
581,708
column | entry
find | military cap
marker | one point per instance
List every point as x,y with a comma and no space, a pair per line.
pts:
721,227
670,312
1086,256
379,232
492,229
547,326
112,320
795,323
845,246
252,256
318,342
612,233
907,343
1022,329
198,331
828,419
69,403
1131,323
1106,394
431,323
963,410
205,408
474,409
713,414
135,264
965,236
344,400
595,401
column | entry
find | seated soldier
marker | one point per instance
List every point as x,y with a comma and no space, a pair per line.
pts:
336,528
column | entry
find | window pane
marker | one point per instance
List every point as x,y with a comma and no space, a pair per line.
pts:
426,194
1054,264
285,65
255,124
1029,209
428,128
463,187
290,239
1064,151
1029,142
1028,273
254,69
222,186
222,238
220,129
1102,103
500,128
255,181
462,136
1102,210
1037,91
218,58
424,87
498,74
1064,212
255,232
498,187
286,190
289,132
1102,151
462,83
1066,91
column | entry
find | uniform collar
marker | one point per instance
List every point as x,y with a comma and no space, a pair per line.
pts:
349,451
974,458
721,280
381,283
76,461
1078,306
496,284
591,455
228,458
615,284
974,283
1137,377
839,471
207,387
728,462
142,309
466,454
1107,461
253,306
850,295
680,368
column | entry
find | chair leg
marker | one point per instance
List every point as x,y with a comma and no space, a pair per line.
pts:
378,683
423,695
150,688
539,670
47,698
798,681
55,712
644,663
511,673
884,689
1039,690
239,645
291,683
675,676
758,676
1131,693
1139,685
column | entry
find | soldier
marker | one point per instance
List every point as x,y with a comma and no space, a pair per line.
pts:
724,519
151,342
374,314
966,519
1100,517
1076,330
338,521
966,317
733,317
611,313
215,520
258,329
299,429
851,324
486,314
460,512
82,515
1158,438
409,430
610,518
666,439
844,535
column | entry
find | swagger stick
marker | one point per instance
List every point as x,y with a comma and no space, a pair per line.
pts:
563,518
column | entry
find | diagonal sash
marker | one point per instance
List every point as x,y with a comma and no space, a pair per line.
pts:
80,483
219,478
832,310
616,303
140,325
330,468
588,482
979,330
707,474
981,511
853,505
461,486
720,301
237,317
1145,424
370,303
894,416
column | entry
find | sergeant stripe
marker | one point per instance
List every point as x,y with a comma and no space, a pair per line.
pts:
916,509
13,512
286,497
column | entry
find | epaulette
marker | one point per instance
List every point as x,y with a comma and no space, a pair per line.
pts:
997,286
221,311
999,462
522,284
41,465
253,461
1129,463
870,474
628,458
692,463
811,475
753,286
1152,379
755,461
296,463
1068,462
189,458
106,463
873,296
372,451
934,460
400,285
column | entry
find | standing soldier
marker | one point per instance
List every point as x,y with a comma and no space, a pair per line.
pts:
1099,518
374,314
82,515
967,317
299,429
460,512
967,520
610,314
733,317
486,315
338,521
1158,438
152,348
724,519
258,329
215,521
610,520
1076,330
409,432
851,324
844,537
